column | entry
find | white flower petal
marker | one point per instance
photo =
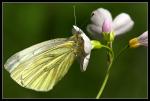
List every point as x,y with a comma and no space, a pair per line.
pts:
87,43
84,62
94,30
143,36
87,50
143,39
75,29
124,29
99,15
122,23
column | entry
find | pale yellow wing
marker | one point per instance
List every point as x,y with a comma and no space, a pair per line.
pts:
44,69
27,53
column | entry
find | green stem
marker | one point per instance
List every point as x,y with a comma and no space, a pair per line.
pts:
104,82
112,53
98,45
110,61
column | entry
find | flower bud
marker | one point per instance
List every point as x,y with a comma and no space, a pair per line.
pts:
142,40
107,26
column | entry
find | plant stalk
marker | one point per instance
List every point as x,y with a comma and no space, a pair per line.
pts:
110,61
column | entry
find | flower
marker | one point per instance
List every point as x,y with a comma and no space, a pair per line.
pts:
142,40
87,48
102,21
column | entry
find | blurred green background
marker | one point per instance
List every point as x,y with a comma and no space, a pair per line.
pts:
26,24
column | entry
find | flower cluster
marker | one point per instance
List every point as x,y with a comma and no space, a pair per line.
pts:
102,22
104,26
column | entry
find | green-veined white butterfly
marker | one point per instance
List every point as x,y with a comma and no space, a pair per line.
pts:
41,66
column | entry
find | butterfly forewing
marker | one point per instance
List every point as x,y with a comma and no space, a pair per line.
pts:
41,66
27,53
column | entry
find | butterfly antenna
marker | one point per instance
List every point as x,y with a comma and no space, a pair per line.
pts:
74,13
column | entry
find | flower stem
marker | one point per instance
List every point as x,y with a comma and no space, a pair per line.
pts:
98,45
104,82
109,49
110,61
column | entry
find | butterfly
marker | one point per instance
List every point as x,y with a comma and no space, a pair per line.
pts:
41,66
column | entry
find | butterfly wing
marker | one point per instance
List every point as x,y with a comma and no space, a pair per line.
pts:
27,53
41,66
